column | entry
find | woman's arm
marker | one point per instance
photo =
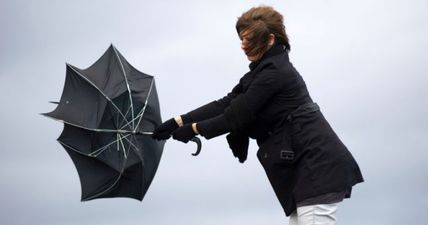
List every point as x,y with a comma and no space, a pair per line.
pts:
211,109
242,108
237,110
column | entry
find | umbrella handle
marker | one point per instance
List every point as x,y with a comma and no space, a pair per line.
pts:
194,139
199,143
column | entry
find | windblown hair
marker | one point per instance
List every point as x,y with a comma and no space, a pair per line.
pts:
257,24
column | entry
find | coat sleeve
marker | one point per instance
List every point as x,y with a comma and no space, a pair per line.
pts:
210,117
244,108
211,109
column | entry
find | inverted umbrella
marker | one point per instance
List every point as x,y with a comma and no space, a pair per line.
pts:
109,111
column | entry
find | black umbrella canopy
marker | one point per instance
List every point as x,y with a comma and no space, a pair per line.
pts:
109,111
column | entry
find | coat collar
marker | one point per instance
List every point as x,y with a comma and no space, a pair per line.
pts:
276,49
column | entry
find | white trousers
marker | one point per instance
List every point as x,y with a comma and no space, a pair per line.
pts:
314,215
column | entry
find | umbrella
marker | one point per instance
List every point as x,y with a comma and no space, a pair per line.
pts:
109,111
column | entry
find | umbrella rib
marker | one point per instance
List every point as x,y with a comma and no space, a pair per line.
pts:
96,130
136,149
123,147
95,86
114,183
117,141
121,122
141,113
96,152
68,146
100,130
132,121
131,144
145,105
109,188
102,149
126,124
127,86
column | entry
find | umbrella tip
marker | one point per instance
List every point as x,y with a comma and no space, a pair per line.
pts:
68,65
45,114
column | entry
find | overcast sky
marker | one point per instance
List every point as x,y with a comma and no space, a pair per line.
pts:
365,63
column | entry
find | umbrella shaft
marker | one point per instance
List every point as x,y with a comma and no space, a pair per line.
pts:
135,132
145,133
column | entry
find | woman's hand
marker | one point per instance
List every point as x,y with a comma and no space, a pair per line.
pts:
185,133
164,131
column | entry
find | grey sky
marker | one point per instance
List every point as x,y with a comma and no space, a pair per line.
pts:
364,62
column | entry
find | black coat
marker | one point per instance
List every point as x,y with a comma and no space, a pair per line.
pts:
300,152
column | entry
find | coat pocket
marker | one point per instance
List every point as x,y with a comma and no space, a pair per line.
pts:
276,151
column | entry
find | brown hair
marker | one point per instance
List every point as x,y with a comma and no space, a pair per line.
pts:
257,24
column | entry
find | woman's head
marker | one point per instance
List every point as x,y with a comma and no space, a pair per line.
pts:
258,28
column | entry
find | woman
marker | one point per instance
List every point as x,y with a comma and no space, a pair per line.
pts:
308,166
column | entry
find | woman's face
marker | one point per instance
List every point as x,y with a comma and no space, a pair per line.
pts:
245,47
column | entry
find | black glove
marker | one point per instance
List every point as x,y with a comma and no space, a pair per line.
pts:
184,133
163,131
